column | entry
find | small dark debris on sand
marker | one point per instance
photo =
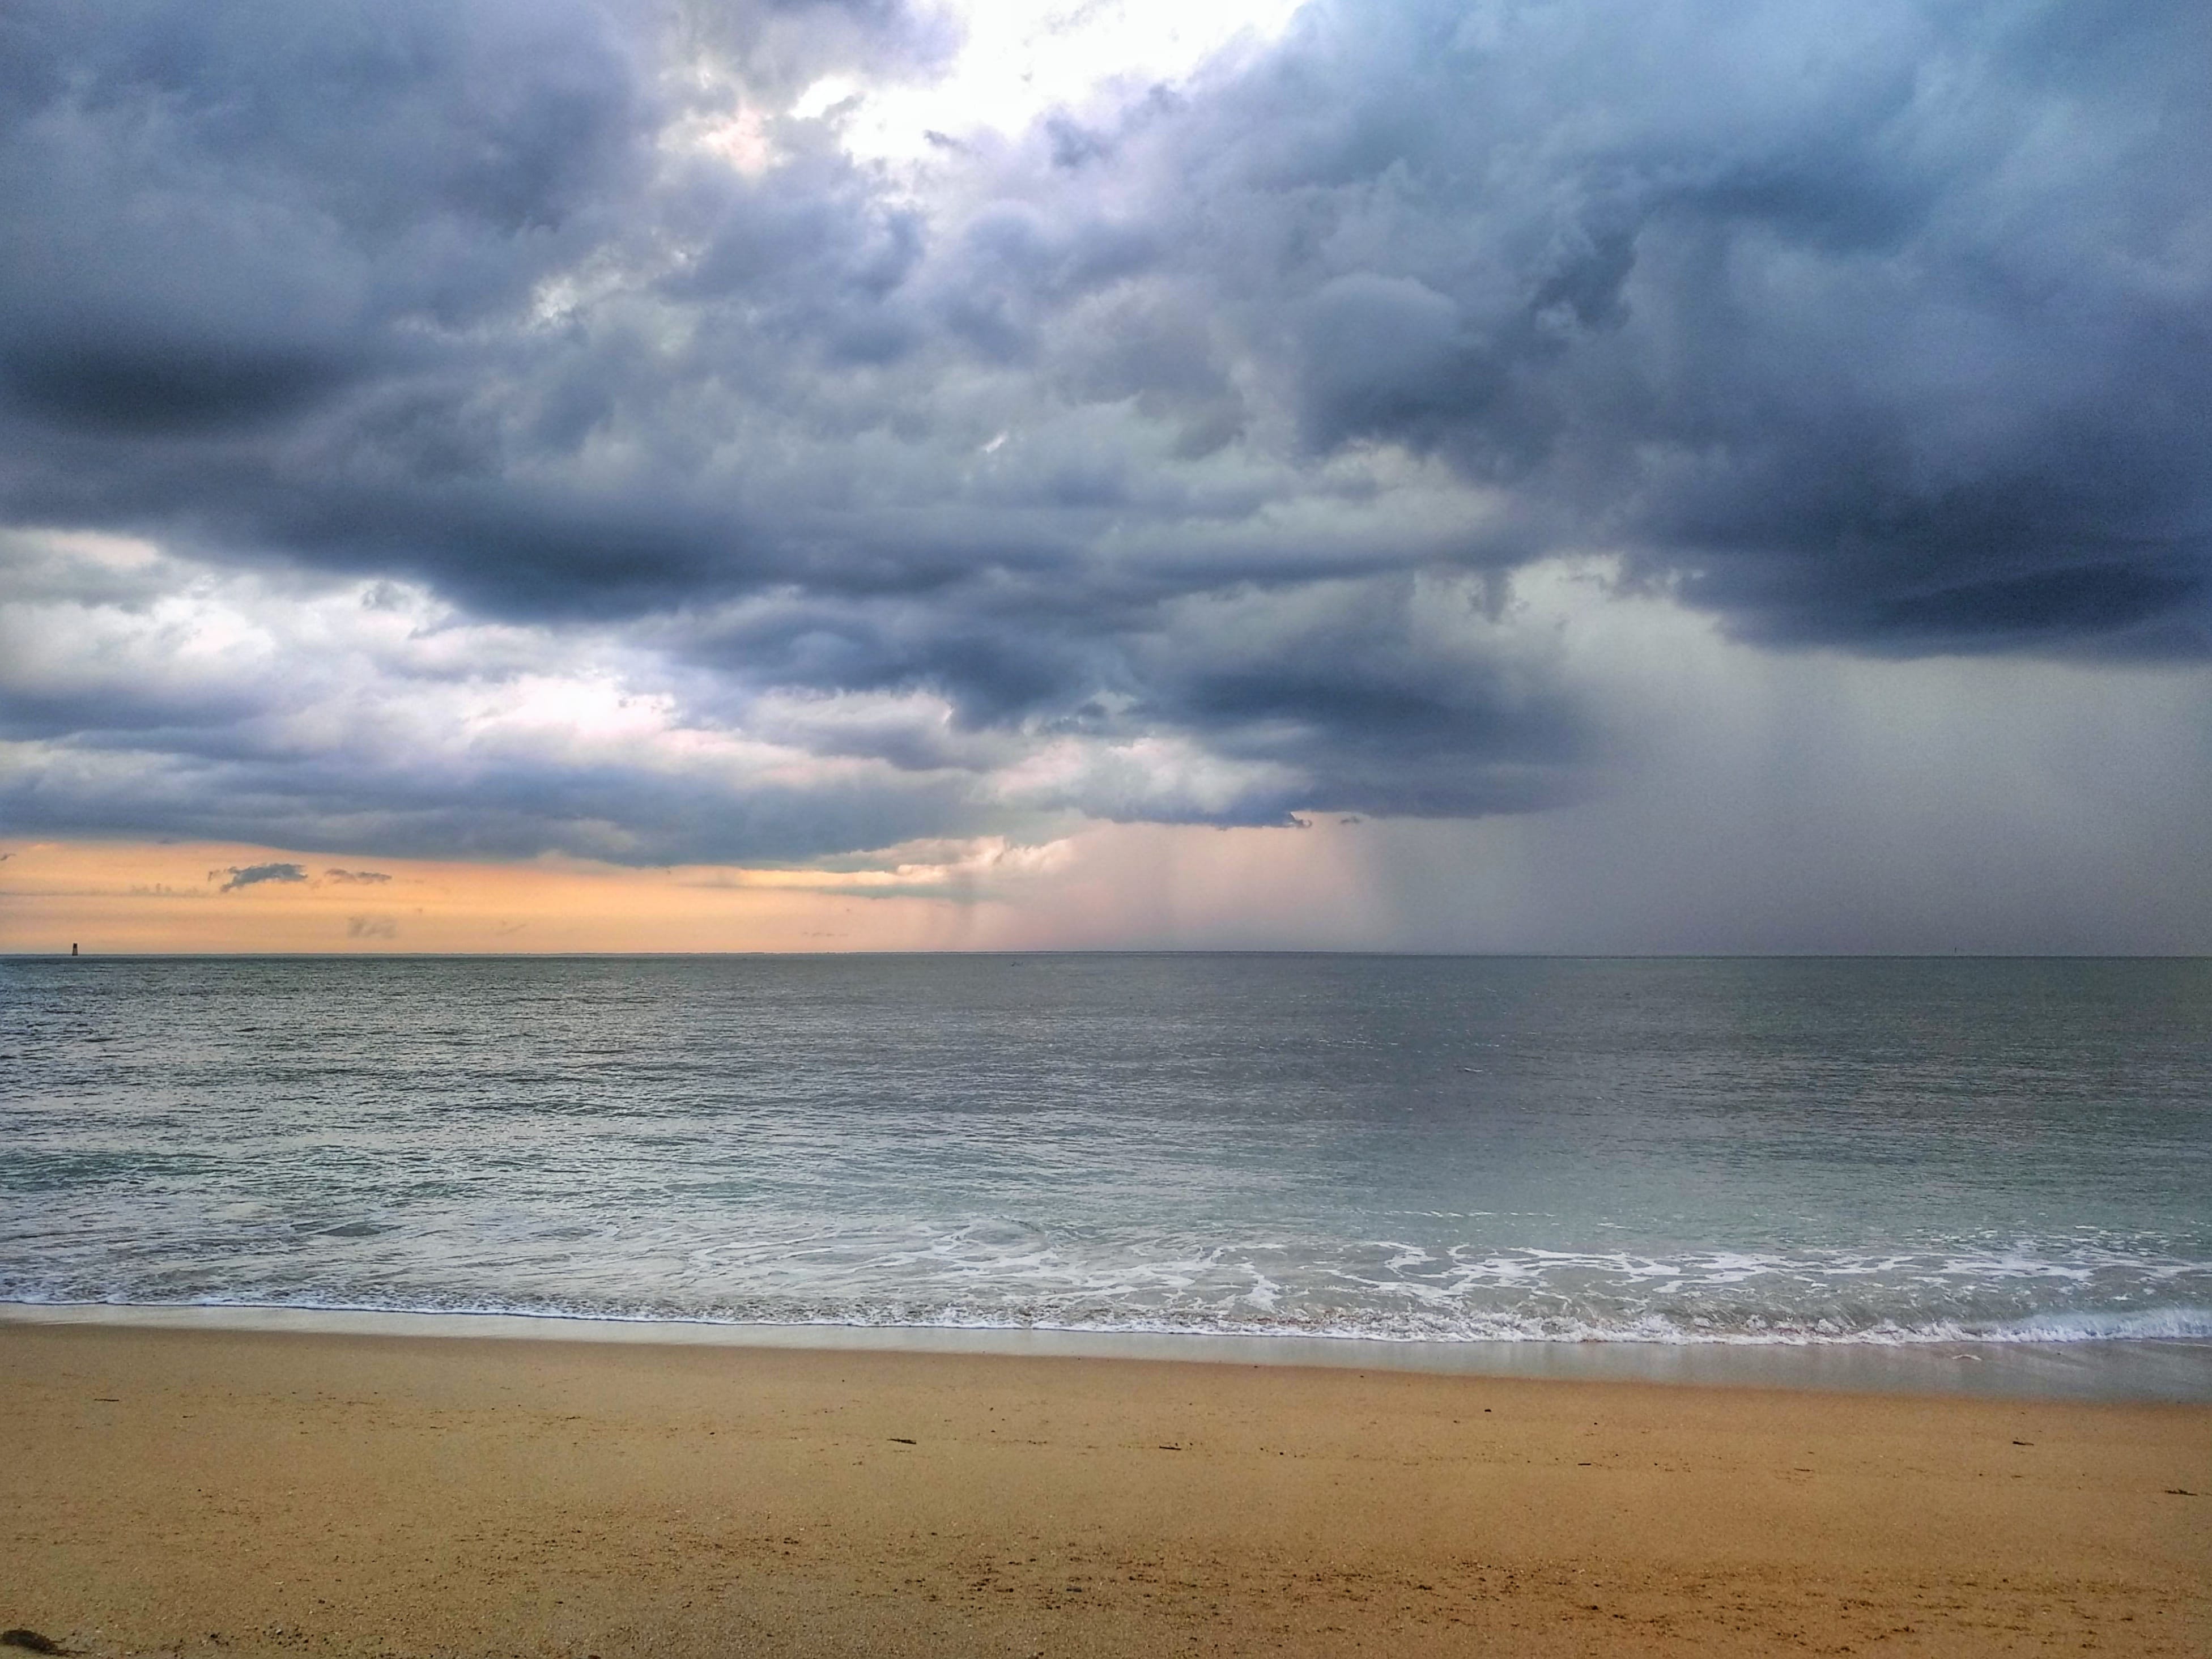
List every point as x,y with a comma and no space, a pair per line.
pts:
901,1440
31,1639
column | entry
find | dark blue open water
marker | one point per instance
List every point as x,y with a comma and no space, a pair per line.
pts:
1780,1151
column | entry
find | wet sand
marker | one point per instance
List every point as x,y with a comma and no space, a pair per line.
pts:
207,1491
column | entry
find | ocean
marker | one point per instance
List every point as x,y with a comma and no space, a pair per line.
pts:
1690,1152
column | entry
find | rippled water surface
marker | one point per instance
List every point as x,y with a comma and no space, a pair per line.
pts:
1748,1150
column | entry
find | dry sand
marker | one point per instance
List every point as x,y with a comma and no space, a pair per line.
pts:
235,1493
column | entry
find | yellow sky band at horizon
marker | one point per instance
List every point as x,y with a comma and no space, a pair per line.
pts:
153,897
1109,885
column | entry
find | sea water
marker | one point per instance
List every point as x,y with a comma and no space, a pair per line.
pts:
1437,1149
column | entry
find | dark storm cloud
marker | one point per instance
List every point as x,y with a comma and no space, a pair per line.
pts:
1883,325
1879,325
225,214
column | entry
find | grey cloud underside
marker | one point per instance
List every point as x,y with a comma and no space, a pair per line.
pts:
1879,326
620,818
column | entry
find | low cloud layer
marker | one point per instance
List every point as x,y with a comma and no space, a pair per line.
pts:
252,875
494,428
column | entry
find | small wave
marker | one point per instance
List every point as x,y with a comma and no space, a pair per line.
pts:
2169,1324
996,1272
2154,1325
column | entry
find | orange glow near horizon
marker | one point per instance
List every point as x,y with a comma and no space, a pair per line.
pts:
1109,886
134,897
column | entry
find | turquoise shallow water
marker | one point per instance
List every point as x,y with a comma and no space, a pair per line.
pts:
1689,1152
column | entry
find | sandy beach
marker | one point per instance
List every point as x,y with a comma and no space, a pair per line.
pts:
209,1492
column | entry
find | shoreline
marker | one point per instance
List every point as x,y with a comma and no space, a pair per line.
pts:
2115,1372
211,1493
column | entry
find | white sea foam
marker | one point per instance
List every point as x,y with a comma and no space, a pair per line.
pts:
989,1274
2190,1324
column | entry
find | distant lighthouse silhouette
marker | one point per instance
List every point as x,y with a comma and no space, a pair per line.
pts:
72,950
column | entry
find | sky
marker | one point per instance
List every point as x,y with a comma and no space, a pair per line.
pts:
1547,475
